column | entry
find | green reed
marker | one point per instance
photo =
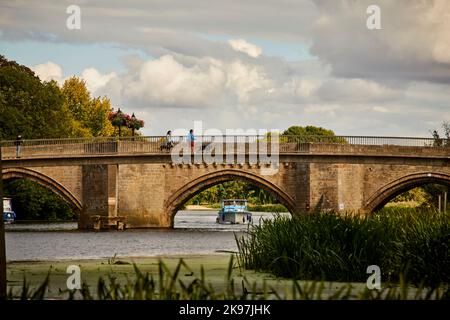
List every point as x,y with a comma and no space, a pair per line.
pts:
335,247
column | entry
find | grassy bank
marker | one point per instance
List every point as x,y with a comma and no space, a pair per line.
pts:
214,272
337,248
201,277
267,208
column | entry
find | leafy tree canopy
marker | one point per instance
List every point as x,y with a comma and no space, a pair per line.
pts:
307,131
37,109
28,106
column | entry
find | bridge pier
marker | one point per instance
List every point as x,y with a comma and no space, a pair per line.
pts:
337,187
141,194
100,189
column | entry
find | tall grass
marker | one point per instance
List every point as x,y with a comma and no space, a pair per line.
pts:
327,246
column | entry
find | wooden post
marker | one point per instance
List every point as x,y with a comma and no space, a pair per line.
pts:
439,201
2,240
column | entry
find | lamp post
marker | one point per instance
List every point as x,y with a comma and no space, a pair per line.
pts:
133,118
119,116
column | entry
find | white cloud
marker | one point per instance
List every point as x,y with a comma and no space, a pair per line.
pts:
167,82
185,82
380,109
413,45
95,80
241,45
306,88
355,90
48,71
328,110
245,79
390,81
438,16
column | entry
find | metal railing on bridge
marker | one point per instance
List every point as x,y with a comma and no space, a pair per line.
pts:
234,144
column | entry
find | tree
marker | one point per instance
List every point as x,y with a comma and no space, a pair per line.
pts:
307,131
312,134
98,120
28,106
438,141
90,114
234,190
77,98
31,201
37,109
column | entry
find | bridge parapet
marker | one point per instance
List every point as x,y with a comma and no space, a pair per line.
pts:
358,145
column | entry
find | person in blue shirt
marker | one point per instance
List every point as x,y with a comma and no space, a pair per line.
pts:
191,138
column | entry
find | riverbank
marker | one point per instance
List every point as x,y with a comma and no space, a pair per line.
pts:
215,270
195,207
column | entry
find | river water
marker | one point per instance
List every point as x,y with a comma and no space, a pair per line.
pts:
195,232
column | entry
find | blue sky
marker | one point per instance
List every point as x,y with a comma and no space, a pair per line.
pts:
74,58
290,51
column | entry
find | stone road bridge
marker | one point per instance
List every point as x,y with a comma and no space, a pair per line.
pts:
135,181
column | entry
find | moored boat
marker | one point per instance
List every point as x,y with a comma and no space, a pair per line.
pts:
234,211
8,214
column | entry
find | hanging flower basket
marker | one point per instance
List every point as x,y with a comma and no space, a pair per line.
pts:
118,119
135,124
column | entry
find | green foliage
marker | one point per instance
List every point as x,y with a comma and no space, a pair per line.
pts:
168,285
37,109
28,106
425,196
90,115
417,194
438,140
339,248
29,294
77,98
275,207
433,191
307,131
234,190
31,201
308,134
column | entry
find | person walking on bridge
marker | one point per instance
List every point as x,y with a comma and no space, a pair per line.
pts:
191,138
18,144
168,142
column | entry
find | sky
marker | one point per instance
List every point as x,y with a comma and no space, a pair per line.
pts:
250,65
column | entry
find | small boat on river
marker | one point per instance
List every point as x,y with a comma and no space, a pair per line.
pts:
8,214
234,211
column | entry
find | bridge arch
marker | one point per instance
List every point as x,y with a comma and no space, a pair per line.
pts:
46,181
398,186
194,187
